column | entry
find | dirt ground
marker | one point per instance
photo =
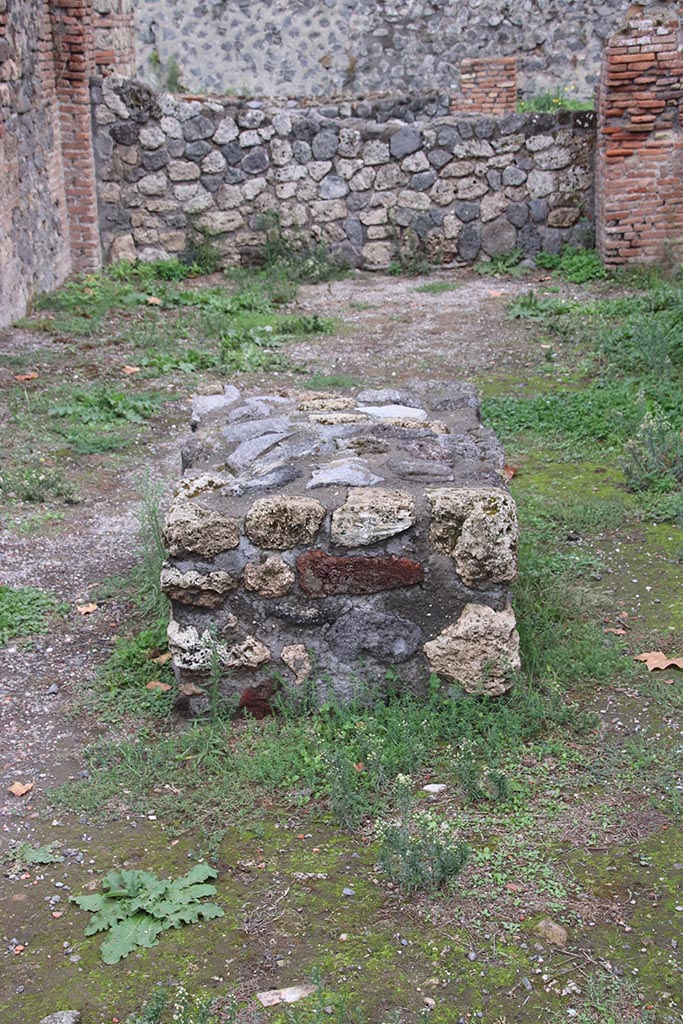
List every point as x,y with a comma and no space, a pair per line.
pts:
392,333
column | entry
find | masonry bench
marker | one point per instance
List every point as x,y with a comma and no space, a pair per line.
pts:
340,543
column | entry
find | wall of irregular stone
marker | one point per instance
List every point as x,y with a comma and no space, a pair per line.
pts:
313,48
324,540
34,244
456,188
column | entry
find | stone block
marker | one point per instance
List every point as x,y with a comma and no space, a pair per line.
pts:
332,187
377,255
325,145
183,170
404,141
402,560
198,128
220,222
480,651
498,237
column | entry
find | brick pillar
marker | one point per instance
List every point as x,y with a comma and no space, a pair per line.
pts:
73,39
639,158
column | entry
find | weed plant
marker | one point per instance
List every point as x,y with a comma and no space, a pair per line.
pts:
293,256
202,255
532,307
417,850
411,256
35,484
98,419
178,1007
553,100
135,907
506,263
574,264
142,658
26,611
653,458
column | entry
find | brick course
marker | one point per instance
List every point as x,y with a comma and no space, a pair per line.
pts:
487,86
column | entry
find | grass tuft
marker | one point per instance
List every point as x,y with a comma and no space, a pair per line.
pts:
25,612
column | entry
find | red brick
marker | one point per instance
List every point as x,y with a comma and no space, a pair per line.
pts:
321,575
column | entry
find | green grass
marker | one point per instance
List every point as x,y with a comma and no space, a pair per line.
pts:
330,381
26,611
627,397
581,421
437,287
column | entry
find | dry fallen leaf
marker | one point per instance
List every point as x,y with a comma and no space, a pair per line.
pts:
509,472
20,788
190,690
130,369
163,658
21,377
86,609
617,632
152,300
156,685
657,659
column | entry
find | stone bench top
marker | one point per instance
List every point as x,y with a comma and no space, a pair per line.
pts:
302,441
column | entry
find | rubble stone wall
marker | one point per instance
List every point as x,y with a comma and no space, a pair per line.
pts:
328,47
457,187
335,541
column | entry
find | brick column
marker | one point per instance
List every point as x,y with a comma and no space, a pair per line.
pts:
639,159
73,39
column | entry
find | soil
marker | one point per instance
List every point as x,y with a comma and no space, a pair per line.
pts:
392,333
